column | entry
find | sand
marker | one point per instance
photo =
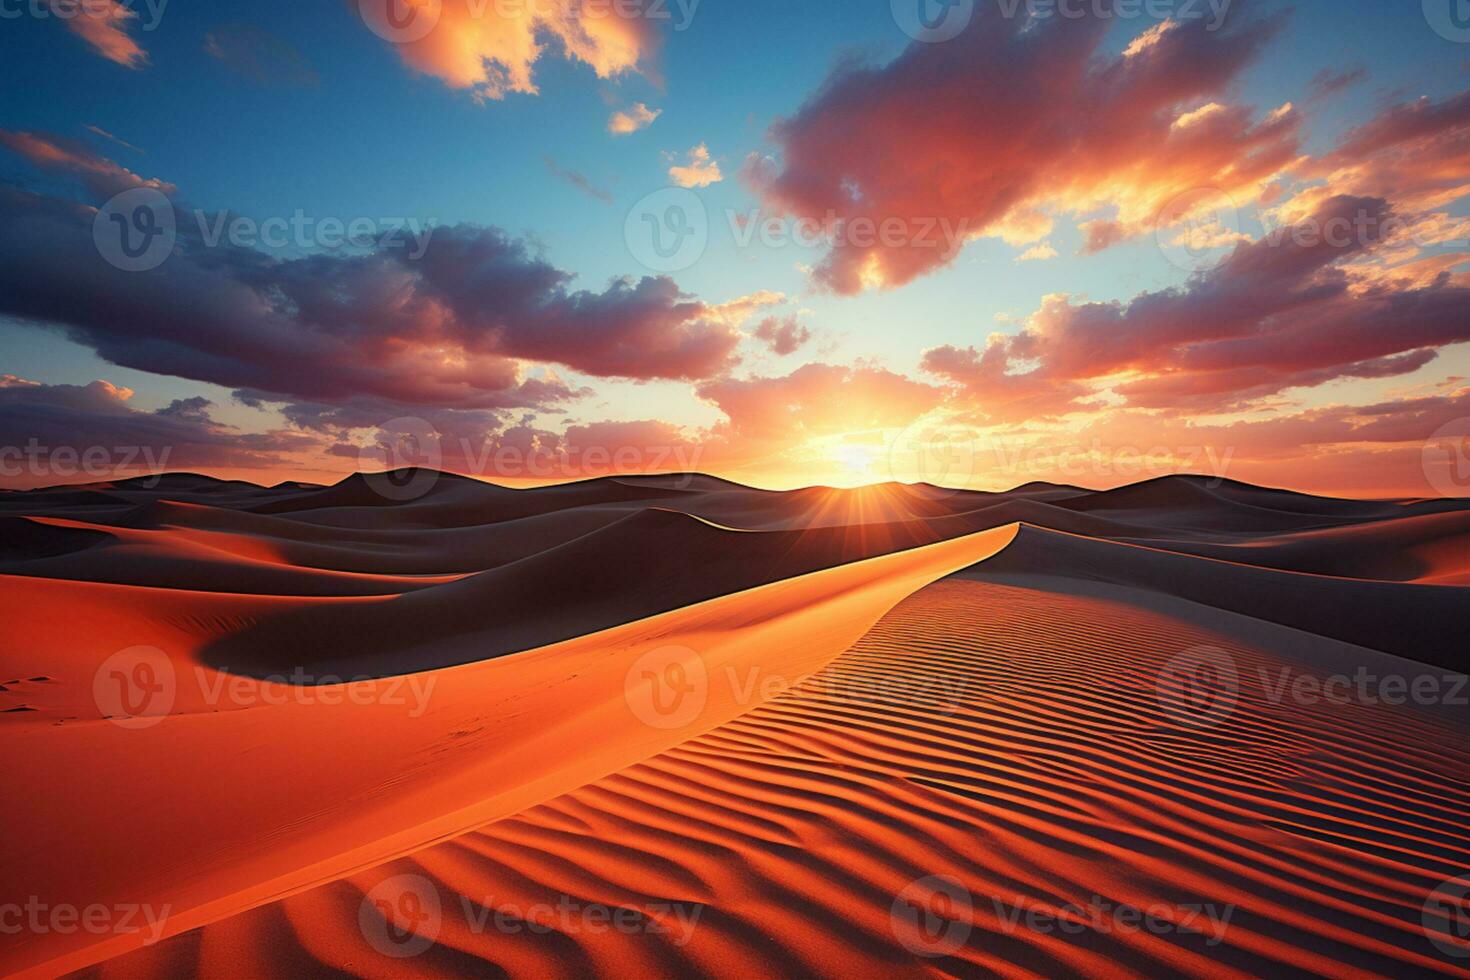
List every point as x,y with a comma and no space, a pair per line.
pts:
902,699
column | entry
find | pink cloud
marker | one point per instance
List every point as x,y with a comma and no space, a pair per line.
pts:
783,335
56,154
1013,121
1278,313
104,25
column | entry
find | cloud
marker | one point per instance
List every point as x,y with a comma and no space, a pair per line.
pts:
52,434
1415,153
490,49
55,154
578,180
742,308
699,171
103,24
783,335
1015,121
1100,234
99,131
1037,253
637,116
450,328
1285,311
259,55
1330,81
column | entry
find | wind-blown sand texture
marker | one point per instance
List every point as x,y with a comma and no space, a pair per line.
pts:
923,722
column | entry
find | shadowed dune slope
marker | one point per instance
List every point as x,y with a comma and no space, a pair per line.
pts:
1421,622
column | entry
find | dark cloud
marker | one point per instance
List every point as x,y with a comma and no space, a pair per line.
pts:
52,434
448,327
1278,313
578,180
259,55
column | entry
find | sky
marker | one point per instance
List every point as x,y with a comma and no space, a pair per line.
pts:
968,242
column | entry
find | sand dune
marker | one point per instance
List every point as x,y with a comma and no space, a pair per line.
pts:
861,730
351,780
1008,738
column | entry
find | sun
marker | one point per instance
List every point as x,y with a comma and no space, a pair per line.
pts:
855,460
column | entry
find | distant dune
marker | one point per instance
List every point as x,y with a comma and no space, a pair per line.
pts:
894,686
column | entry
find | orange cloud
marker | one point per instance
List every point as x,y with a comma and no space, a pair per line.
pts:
700,170
55,154
1014,122
490,47
635,117
104,25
